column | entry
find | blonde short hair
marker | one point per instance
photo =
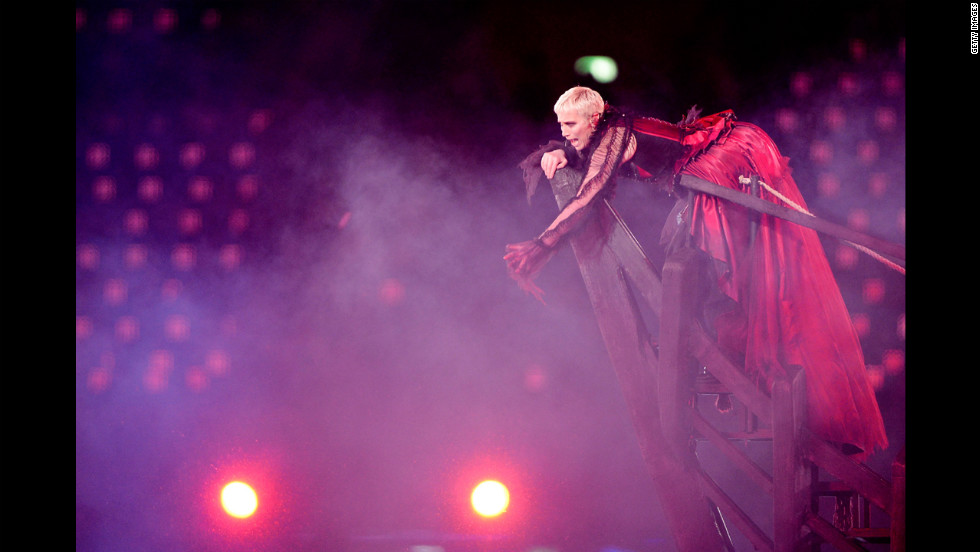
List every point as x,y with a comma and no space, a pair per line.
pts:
582,100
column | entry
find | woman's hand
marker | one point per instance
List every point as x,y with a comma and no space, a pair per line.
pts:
552,161
520,255
524,261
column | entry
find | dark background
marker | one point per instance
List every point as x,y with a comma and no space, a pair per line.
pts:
379,361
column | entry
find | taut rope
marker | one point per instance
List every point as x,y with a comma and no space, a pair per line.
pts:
786,200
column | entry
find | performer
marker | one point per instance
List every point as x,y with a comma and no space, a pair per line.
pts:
776,303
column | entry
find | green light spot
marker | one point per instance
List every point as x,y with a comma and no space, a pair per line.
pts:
602,68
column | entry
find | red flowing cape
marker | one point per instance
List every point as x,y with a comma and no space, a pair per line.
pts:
796,314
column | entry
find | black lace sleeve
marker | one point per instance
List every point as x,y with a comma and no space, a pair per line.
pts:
531,165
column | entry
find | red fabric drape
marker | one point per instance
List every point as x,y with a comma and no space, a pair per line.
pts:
794,309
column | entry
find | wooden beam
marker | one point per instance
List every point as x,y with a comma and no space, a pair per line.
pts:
676,382
791,476
897,252
635,263
898,503
628,344
829,533
853,474
739,458
752,532
731,376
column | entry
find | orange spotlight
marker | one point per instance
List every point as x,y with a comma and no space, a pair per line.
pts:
490,498
239,499
492,495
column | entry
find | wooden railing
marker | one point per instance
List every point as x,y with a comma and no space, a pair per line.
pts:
659,378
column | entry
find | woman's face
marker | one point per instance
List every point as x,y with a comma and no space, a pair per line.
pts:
576,128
